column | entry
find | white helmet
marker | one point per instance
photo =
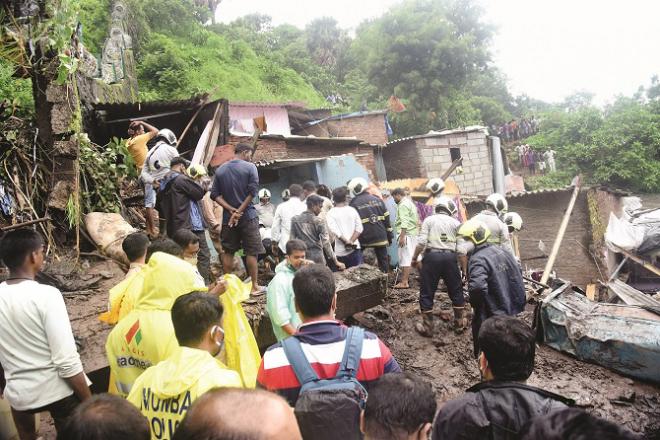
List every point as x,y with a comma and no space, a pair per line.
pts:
498,203
358,185
264,193
513,221
445,204
435,185
286,194
167,135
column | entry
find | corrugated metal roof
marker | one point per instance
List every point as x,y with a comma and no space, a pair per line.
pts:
434,133
513,195
346,116
284,163
314,140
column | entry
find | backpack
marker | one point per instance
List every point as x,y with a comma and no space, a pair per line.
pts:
329,409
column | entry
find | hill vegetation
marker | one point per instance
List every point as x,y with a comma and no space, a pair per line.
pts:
433,55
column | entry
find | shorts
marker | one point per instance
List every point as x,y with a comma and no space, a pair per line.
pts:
406,252
149,196
243,236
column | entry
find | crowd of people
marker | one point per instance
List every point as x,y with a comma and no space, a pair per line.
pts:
517,129
184,362
536,161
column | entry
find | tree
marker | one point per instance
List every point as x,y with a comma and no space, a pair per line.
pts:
427,53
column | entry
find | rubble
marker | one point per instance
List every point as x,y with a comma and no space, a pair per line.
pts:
623,338
358,289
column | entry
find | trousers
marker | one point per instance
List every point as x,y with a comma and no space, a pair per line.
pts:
436,265
203,257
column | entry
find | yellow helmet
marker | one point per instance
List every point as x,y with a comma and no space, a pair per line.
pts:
197,170
475,231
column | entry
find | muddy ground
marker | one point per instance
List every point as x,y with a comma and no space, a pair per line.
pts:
451,367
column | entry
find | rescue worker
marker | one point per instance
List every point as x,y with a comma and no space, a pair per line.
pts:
435,186
514,223
495,282
156,166
145,335
375,217
266,213
496,207
164,392
437,243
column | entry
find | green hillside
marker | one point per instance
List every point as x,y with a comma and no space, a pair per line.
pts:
178,57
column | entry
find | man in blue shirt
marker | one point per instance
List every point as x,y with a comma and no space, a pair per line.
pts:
235,185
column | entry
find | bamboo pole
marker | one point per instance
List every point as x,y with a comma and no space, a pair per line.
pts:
562,231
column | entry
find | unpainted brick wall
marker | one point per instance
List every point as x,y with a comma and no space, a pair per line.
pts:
368,128
402,160
542,214
430,157
272,149
477,177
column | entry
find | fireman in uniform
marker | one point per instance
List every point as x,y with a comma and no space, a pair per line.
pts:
375,217
437,243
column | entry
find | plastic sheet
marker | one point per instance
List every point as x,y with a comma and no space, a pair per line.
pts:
240,345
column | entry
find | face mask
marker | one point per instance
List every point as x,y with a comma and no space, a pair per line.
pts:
220,344
191,260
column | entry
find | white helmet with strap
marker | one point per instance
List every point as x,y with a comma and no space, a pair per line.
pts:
445,204
264,193
358,185
435,185
498,203
513,221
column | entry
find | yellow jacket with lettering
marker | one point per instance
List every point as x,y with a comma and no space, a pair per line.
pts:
165,392
145,336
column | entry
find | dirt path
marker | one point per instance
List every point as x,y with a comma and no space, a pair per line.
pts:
451,368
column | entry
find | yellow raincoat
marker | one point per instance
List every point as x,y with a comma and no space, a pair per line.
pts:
145,336
240,346
165,392
123,297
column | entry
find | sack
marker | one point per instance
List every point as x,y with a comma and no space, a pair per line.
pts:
108,231
240,345
329,408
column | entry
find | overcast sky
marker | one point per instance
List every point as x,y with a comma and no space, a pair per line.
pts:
547,48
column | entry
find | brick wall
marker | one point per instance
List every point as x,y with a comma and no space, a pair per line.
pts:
542,214
430,157
273,149
368,128
477,177
402,160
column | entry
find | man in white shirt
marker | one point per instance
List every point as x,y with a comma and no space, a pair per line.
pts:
38,354
285,211
345,225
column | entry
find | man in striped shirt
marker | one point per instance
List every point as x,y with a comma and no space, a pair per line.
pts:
323,339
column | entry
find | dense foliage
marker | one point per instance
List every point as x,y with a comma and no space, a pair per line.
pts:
618,145
434,55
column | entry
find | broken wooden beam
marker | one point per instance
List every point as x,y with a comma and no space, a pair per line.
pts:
23,224
562,230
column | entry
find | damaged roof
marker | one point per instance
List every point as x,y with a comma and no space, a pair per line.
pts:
346,116
433,133
151,106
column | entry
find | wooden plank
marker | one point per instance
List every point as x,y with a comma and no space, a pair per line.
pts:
562,231
591,292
